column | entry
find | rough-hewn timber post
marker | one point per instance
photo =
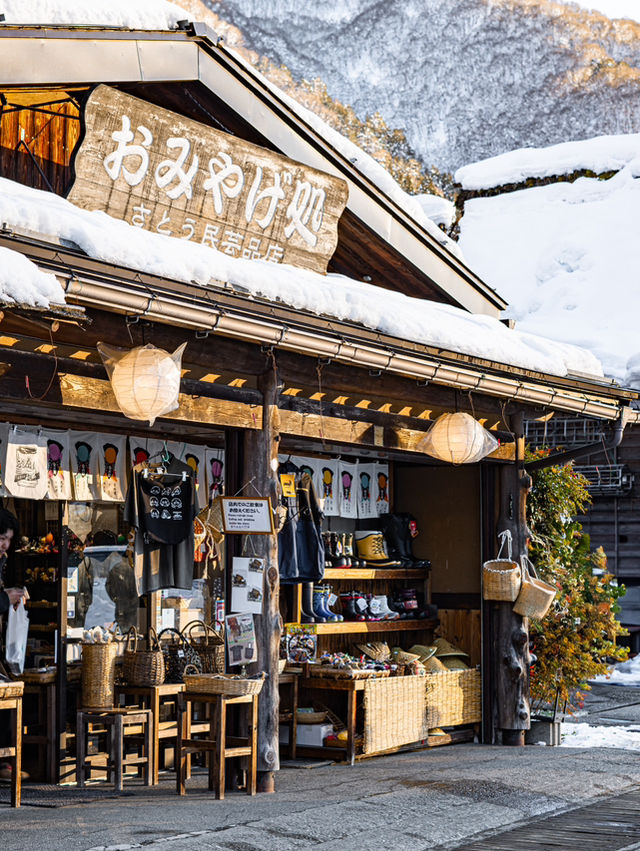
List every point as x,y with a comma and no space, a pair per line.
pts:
261,448
511,647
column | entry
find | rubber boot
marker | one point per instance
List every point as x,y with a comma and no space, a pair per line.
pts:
306,615
333,616
348,602
379,607
317,606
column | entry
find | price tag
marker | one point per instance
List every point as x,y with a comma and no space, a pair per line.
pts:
180,654
361,604
332,599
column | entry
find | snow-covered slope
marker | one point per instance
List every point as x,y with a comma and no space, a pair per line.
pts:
566,255
466,79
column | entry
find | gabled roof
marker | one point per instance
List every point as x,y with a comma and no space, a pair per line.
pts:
377,234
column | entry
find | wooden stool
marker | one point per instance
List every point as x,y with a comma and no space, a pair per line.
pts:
45,737
218,746
116,722
11,700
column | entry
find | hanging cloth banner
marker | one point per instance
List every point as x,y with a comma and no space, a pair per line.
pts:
214,464
83,446
381,488
347,483
310,466
142,448
58,465
366,490
194,456
26,464
112,466
4,437
328,486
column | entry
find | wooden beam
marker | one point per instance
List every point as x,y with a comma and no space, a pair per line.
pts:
261,464
81,392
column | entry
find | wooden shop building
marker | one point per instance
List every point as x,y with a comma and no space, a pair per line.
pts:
88,114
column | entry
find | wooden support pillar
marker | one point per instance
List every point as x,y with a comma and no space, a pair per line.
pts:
511,658
261,456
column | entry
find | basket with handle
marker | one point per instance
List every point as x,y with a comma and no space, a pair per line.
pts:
143,667
98,675
178,653
209,646
501,577
535,597
229,685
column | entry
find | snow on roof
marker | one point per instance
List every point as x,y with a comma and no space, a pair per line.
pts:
23,283
566,257
363,162
439,210
342,298
611,8
600,154
139,14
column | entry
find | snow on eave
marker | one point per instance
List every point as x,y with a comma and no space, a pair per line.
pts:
142,15
334,296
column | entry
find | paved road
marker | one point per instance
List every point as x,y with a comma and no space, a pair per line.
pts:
434,799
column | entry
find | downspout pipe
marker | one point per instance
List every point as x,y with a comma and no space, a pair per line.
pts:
588,449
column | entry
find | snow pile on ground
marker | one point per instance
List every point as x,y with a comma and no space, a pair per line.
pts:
600,154
430,323
583,735
141,14
565,256
623,674
22,282
364,163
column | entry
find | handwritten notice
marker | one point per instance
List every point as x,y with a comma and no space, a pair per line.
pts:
247,516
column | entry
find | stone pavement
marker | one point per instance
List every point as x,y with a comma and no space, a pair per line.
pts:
441,798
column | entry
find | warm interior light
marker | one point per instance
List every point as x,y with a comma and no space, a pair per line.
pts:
458,439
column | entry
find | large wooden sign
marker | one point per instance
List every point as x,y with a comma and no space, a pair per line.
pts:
159,171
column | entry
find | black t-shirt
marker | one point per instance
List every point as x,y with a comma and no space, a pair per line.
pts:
165,507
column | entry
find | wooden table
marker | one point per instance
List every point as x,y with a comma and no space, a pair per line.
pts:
351,687
290,716
115,721
219,746
12,702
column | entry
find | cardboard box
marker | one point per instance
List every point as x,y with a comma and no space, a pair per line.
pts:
313,735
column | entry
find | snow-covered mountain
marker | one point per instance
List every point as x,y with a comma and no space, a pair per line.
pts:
466,79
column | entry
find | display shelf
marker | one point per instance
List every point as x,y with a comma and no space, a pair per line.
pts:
370,626
373,573
41,627
41,604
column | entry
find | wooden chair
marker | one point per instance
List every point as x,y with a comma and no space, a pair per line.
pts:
219,746
11,700
118,723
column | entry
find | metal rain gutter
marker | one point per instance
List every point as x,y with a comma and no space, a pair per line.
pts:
174,311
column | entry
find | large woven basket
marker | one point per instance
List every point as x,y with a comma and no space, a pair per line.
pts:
501,579
227,684
98,675
453,697
535,597
178,653
209,646
143,667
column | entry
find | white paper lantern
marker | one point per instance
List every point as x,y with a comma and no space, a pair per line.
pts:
458,439
145,380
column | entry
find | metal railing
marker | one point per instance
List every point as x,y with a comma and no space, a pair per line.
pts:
563,431
607,479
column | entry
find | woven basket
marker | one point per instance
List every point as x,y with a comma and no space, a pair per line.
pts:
310,717
143,667
178,653
39,677
535,597
98,675
346,673
453,697
226,684
501,579
209,646
14,689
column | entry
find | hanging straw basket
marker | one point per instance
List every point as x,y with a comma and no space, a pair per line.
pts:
143,667
98,675
502,577
209,646
227,684
535,597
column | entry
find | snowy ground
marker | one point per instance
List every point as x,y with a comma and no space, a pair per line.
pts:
584,735
623,674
